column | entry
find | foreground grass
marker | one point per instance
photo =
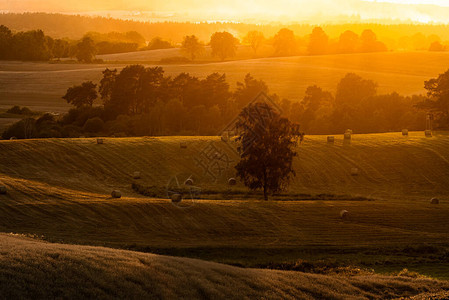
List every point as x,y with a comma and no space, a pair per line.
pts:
34,269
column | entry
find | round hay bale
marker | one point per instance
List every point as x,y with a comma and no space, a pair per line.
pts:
347,136
189,181
136,175
12,138
344,214
225,137
3,190
428,133
354,171
435,201
183,145
330,139
232,181
404,132
116,194
176,198
100,141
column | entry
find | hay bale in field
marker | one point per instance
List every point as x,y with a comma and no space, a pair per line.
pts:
3,190
100,141
435,201
12,138
344,214
176,198
136,175
189,181
354,171
428,133
347,136
404,132
116,194
183,145
330,139
225,137
232,181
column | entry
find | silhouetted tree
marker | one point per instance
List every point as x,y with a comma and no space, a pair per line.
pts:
370,42
192,46
267,148
248,90
158,43
107,85
284,42
436,47
6,40
348,42
314,98
60,49
223,45
81,95
437,98
352,89
216,90
254,39
85,50
318,42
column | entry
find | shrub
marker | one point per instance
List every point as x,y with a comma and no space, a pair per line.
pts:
23,129
26,111
94,125
14,110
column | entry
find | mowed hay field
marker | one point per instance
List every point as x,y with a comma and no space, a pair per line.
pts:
41,85
60,188
35,269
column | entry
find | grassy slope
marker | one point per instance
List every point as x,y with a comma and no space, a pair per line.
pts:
60,189
33,269
41,86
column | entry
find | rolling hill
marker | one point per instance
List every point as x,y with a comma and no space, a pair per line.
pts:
60,188
41,85
39,270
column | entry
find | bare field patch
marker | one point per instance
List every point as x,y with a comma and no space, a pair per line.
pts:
32,83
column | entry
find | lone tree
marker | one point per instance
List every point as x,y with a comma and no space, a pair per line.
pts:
192,46
81,95
267,148
223,44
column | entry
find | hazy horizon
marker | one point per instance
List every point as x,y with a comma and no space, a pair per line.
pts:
283,11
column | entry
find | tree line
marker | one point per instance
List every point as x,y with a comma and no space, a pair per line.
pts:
140,101
398,36
34,45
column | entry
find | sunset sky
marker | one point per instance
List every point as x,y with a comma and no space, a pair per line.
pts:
318,11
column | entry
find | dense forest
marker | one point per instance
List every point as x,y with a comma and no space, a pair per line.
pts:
140,101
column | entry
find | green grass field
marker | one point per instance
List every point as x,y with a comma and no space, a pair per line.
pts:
60,189
41,85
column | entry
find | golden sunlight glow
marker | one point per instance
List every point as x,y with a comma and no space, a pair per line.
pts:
317,11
